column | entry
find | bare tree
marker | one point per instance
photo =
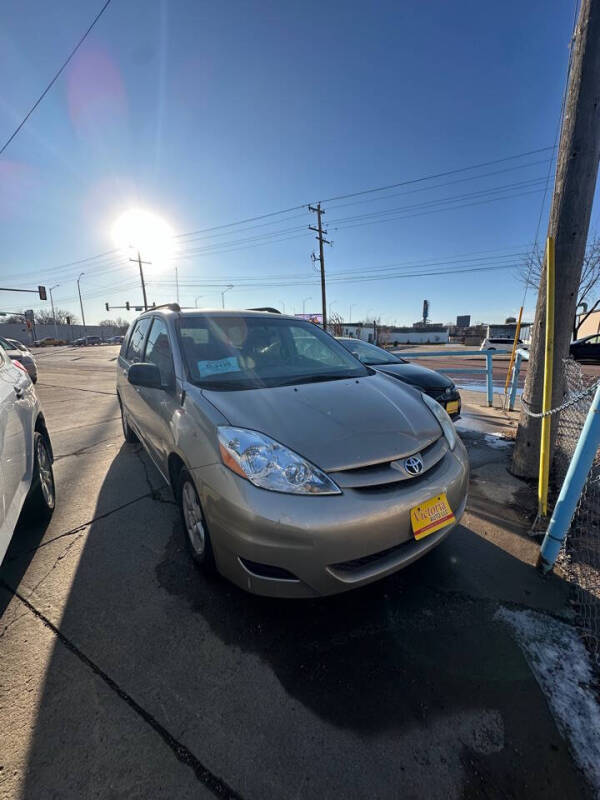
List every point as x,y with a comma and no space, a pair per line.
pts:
122,324
588,295
335,324
60,317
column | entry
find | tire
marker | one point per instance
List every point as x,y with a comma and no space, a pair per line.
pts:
194,524
42,495
128,434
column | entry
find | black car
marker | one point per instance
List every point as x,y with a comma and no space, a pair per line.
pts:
429,381
586,349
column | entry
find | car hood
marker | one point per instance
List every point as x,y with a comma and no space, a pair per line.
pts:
416,375
340,424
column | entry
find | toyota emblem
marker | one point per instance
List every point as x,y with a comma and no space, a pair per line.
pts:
413,465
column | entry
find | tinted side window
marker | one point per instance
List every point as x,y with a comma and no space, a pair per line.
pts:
136,340
158,351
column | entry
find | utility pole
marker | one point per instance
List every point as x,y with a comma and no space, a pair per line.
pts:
575,182
81,302
53,314
226,289
139,262
321,258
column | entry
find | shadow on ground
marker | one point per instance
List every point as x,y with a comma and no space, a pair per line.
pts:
406,688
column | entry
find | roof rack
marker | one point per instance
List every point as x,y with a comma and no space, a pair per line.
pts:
265,308
170,306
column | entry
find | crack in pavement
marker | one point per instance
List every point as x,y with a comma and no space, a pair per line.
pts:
56,430
183,754
75,388
78,528
83,450
155,492
56,562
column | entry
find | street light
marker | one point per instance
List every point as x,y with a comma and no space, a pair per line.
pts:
333,302
304,303
352,305
53,314
81,302
196,299
283,304
227,288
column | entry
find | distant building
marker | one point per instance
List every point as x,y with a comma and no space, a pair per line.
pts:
507,330
423,334
590,325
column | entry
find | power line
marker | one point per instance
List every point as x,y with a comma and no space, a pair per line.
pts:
55,78
435,175
105,259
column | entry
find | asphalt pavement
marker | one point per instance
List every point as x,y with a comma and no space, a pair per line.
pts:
125,673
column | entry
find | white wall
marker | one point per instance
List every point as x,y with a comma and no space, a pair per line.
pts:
67,332
411,337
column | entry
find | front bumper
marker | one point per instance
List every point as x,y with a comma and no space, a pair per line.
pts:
448,400
321,545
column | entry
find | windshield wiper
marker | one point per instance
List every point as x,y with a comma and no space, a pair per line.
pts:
329,376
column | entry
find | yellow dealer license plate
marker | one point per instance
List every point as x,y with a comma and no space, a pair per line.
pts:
430,516
452,407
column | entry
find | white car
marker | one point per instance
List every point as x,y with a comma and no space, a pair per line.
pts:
26,476
499,343
20,354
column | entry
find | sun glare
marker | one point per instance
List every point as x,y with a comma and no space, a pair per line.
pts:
137,229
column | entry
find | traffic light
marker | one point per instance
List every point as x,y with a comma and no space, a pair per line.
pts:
42,292
127,305
106,306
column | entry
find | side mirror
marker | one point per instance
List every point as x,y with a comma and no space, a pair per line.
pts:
145,375
356,355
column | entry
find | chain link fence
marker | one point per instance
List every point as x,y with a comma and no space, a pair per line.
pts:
580,556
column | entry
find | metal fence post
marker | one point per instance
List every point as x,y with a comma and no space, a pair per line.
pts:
490,379
515,380
570,492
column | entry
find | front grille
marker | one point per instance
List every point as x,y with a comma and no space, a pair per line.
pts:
364,561
383,474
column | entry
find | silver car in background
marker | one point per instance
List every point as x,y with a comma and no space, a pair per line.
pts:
298,470
20,354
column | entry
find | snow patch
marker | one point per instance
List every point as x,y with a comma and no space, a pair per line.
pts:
562,667
482,387
498,441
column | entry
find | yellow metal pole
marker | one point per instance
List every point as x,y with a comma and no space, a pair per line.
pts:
514,351
547,398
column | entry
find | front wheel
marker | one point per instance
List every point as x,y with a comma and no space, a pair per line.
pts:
196,532
42,498
128,434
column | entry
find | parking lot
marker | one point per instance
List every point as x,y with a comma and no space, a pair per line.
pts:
126,673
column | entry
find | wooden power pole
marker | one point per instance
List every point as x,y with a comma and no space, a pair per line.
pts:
575,182
320,236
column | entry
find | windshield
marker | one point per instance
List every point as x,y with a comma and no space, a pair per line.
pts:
370,353
240,352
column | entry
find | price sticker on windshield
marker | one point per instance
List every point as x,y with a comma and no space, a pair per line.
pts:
218,367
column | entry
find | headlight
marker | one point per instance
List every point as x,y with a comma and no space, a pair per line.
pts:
446,423
270,465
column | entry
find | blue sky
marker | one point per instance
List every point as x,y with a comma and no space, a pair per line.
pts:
211,113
